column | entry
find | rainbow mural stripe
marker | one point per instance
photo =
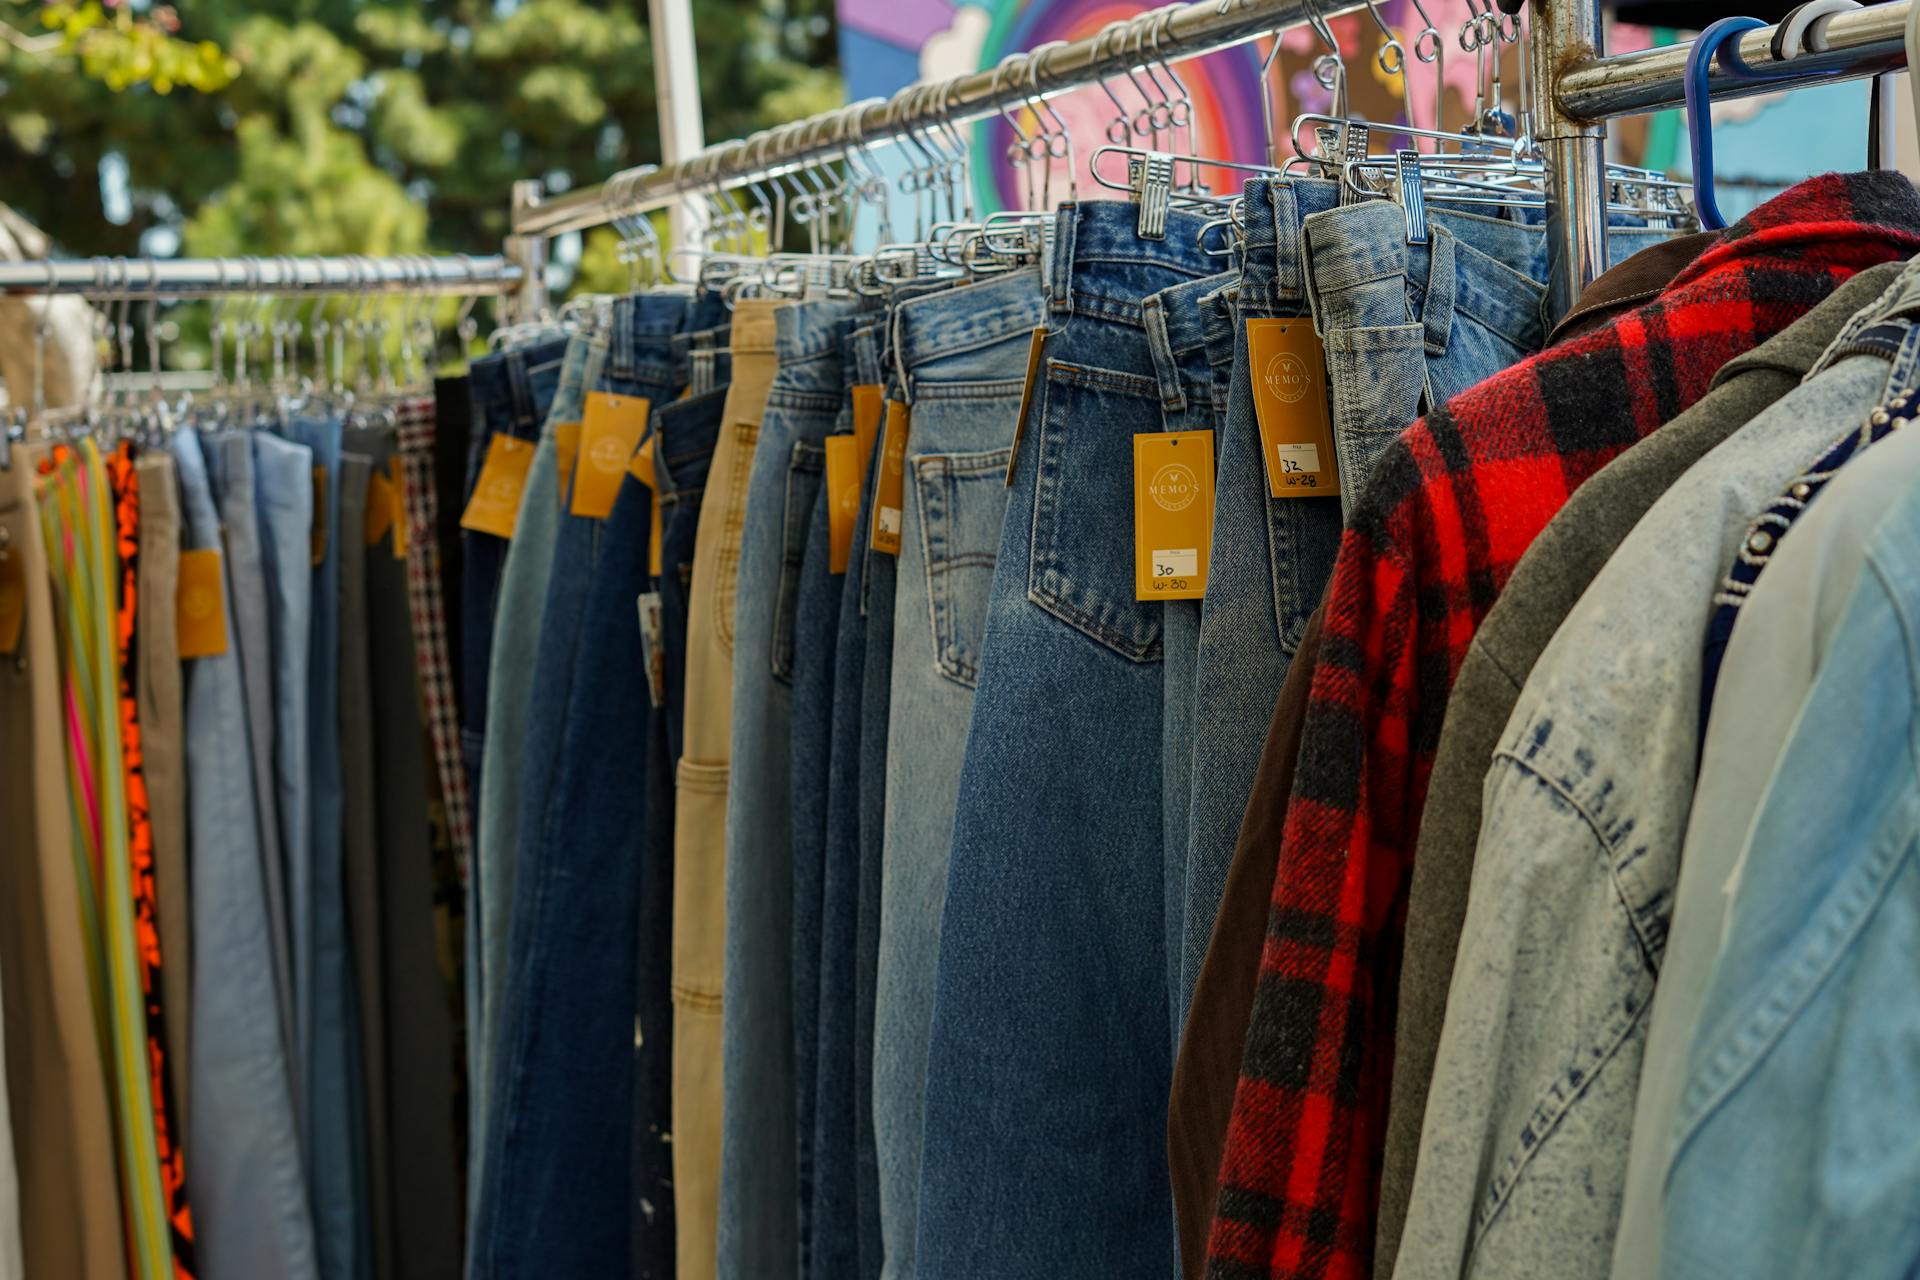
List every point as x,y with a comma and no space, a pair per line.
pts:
887,44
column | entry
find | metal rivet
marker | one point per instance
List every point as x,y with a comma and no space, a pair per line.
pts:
1878,418
1760,542
1900,422
1801,490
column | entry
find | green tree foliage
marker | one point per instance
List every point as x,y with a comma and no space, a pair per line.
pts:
336,126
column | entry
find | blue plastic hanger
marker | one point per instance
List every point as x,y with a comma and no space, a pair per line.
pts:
1700,108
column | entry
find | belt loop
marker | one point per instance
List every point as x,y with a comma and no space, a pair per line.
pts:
522,395
1438,315
620,360
1153,317
1288,283
1060,291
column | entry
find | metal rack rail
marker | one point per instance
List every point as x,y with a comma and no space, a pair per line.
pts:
113,278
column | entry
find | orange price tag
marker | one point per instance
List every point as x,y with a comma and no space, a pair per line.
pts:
609,433
1289,369
1172,514
201,604
843,499
503,482
890,487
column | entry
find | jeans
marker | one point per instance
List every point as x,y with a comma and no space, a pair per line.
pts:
1178,332
231,471
556,1196
250,1192
336,1158
962,357
815,624
1049,1060
511,392
687,430
845,1212
759,1223
516,643
700,798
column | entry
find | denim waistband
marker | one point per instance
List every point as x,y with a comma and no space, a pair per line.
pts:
579,372
1487,268
753,325
965,319
1273,275
1176,327
1096,242
508,386
809,330
688,430
863,352
640,337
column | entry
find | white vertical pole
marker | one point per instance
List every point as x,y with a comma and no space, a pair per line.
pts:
676,80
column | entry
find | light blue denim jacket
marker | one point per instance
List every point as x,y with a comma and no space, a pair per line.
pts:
1793,1148
1523,1151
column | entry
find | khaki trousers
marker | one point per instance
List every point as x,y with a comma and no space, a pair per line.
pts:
70,1216
700,824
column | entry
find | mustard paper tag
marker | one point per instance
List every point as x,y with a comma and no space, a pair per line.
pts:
843,499
1035,346
319,515
397,496
379,509
891,484
609,434
1172,514
644,467
201,604
503,482
566,449
13,599
1290,400
868,406
653,647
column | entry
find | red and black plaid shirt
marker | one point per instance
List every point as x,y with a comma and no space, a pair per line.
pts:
1453,504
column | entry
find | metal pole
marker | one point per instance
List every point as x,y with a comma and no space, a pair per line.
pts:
676,81
1860,42
529,253
1564,32
204,277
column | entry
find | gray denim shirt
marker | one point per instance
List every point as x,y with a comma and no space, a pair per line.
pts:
1543,589
1523,1150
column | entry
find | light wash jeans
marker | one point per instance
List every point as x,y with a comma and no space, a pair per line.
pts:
251,1212
759,1219
336,1159
283,492
1049,1060
516,641
960,357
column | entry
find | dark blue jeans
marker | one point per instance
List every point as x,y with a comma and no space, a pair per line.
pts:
687,430
816,621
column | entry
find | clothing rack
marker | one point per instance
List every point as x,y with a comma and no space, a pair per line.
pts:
119,278
1587,89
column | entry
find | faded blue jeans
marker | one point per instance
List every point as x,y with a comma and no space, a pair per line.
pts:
516,642
960,358
1049,1060
336,1125
759,1207
283,491
250,1191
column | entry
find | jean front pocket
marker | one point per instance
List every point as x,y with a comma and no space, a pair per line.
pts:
804,467
1377,376
962,497
1082,566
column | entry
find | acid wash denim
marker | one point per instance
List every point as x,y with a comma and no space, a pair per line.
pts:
1049,1060
248,1184
1792,1149
1523,1154
1180,323
960,362
759,1207
516,642
335,1089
